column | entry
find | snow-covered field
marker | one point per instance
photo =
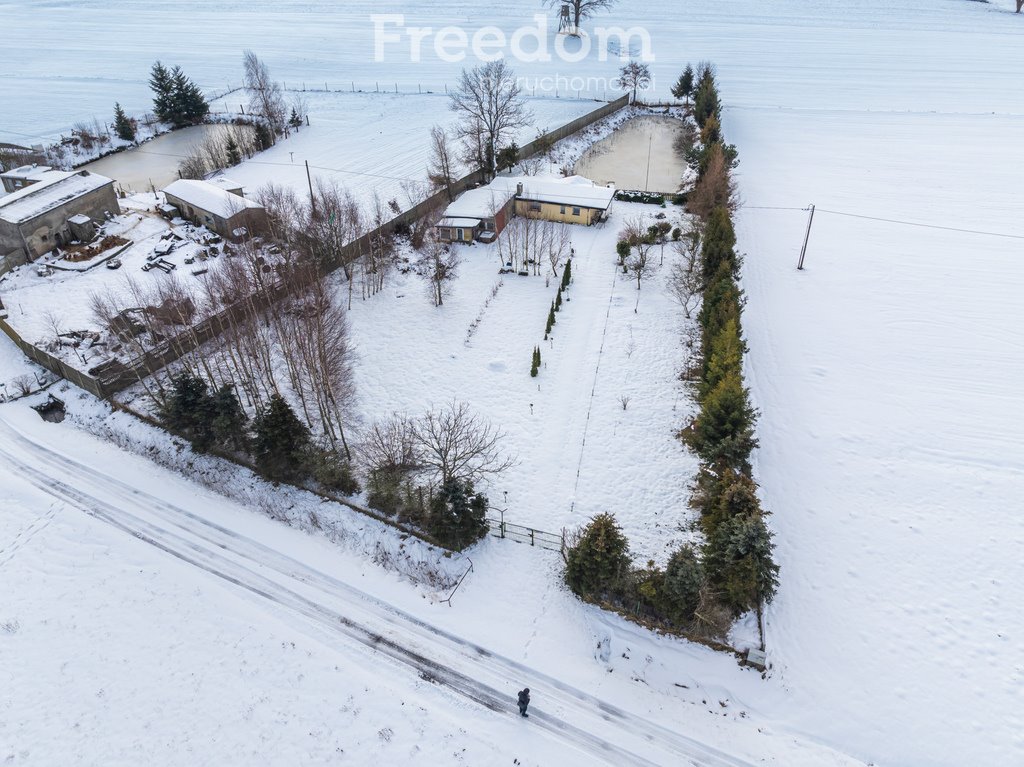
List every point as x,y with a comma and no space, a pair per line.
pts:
888,372
374,143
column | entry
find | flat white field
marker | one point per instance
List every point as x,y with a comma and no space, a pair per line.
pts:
373,143
889,374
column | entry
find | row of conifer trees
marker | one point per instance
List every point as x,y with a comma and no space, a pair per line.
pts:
732,571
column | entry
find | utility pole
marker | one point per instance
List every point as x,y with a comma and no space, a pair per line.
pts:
807,236
312,199
647,181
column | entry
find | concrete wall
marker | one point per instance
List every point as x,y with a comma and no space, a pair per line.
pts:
40,233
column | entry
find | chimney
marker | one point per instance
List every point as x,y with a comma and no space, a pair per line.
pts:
519,189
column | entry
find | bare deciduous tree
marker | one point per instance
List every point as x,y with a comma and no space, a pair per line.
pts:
390,446
441,171
580,9
633,77
684,278
438,266
489,102
456,444
265,94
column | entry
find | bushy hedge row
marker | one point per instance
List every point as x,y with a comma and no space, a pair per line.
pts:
699,591
648,198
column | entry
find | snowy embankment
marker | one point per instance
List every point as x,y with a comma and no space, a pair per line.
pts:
301,618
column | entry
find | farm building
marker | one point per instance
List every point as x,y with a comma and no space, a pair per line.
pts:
26,175
481,214
38,218
227,213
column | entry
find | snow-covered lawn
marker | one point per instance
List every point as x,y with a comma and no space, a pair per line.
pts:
373,143
606,345
888,373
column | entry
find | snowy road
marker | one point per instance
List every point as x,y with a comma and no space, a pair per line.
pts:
340,614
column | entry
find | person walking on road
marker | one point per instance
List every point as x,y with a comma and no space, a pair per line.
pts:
524,701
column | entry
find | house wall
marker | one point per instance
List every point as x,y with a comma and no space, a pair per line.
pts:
448,233
40,233
253,219
552,212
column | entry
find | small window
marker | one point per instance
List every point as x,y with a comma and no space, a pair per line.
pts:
562,210
535,207
575,211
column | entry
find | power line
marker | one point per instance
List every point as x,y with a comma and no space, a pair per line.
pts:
922,225
889,220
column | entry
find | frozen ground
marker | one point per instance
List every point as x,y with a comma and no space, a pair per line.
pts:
234,639
373,142
888,373
580,452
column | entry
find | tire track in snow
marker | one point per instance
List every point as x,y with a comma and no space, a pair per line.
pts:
210,554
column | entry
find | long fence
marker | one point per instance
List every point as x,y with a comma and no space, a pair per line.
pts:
107,379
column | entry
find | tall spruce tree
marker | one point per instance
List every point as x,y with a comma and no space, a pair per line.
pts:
724,429
189,106
684,577
229,420
597,565
162,85
189,410
684,85
738,559
458,516
123,126
233,152
281,441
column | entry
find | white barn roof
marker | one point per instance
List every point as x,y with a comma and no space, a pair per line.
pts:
208,197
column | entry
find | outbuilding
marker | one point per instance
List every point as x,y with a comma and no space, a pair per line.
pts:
38,217
228,214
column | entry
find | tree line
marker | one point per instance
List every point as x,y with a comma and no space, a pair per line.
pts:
701,588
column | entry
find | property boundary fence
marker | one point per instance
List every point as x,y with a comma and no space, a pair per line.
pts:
522,534
109,378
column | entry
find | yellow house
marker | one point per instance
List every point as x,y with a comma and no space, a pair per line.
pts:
481,214
573,200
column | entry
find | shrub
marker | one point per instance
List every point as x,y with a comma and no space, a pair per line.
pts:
738,557
189,410
622,250
458,517
598,561
724,429
332,470
281,441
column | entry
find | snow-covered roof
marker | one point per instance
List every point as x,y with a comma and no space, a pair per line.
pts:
479,203
574,190
209,197
224,182
467,223
53,190
27,171
79,218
